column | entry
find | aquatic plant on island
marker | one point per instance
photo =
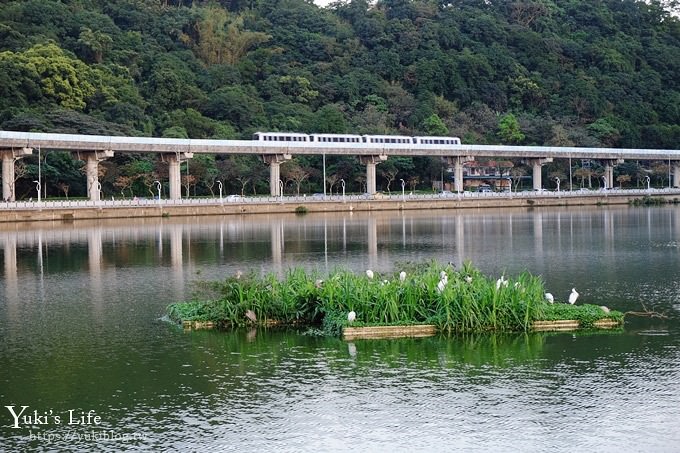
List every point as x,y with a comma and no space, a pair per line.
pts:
454,300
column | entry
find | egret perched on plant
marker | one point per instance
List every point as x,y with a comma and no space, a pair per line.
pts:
573,296
351,316
250,314
443,275
402,276
369,273
468,279
440,286
549,297
501,281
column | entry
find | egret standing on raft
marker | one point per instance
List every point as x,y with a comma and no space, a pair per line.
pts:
351,316
549,297
573,296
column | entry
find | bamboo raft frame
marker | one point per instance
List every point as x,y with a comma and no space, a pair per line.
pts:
423,330
428,330
377,332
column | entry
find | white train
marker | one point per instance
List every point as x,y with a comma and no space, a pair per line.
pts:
349,138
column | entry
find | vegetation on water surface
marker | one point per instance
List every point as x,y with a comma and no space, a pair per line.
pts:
652,201
455,300
585,314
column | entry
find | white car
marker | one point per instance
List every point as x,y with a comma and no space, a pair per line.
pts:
233,198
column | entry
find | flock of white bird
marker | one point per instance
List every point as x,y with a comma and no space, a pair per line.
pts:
444,279
572,297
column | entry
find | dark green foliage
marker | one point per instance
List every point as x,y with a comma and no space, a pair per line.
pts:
563,73
586,314
648,201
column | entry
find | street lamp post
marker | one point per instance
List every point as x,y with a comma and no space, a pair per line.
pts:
342,183
37,187
557,181
604,182
39,174
403,185
158,187
648,181
324,175
281,189
219,185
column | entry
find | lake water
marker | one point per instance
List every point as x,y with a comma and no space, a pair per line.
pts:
83,339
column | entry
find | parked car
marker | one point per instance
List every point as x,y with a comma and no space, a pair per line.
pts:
484,189
234,198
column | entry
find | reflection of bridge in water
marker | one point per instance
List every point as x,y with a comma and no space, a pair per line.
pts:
365,240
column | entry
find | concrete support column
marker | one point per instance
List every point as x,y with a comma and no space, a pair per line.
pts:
609,171
371,162
457,162
92,159
609,176
536,165
675,165
9,156
174,160
275,161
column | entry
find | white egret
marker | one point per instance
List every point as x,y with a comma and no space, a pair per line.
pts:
440,286
250,314
369,273
402,276
549,297
501,281
443,275
573,296
604,309
468,279
351,316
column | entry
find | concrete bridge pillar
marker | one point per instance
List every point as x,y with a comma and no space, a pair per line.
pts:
275,161
457,162
9,156
174,160
371,162
536,165
676,173
92,159
609,171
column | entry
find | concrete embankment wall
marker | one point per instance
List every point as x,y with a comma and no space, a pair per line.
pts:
81,213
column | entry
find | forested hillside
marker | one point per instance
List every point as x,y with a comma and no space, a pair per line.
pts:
559,72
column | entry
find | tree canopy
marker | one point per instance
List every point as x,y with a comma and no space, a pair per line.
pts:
564,72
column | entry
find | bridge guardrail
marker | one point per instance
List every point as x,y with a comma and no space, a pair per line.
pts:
142,202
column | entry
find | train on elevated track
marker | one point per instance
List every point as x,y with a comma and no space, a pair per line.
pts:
350,138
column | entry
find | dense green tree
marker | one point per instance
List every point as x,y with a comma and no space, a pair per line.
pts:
509,129
571,72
